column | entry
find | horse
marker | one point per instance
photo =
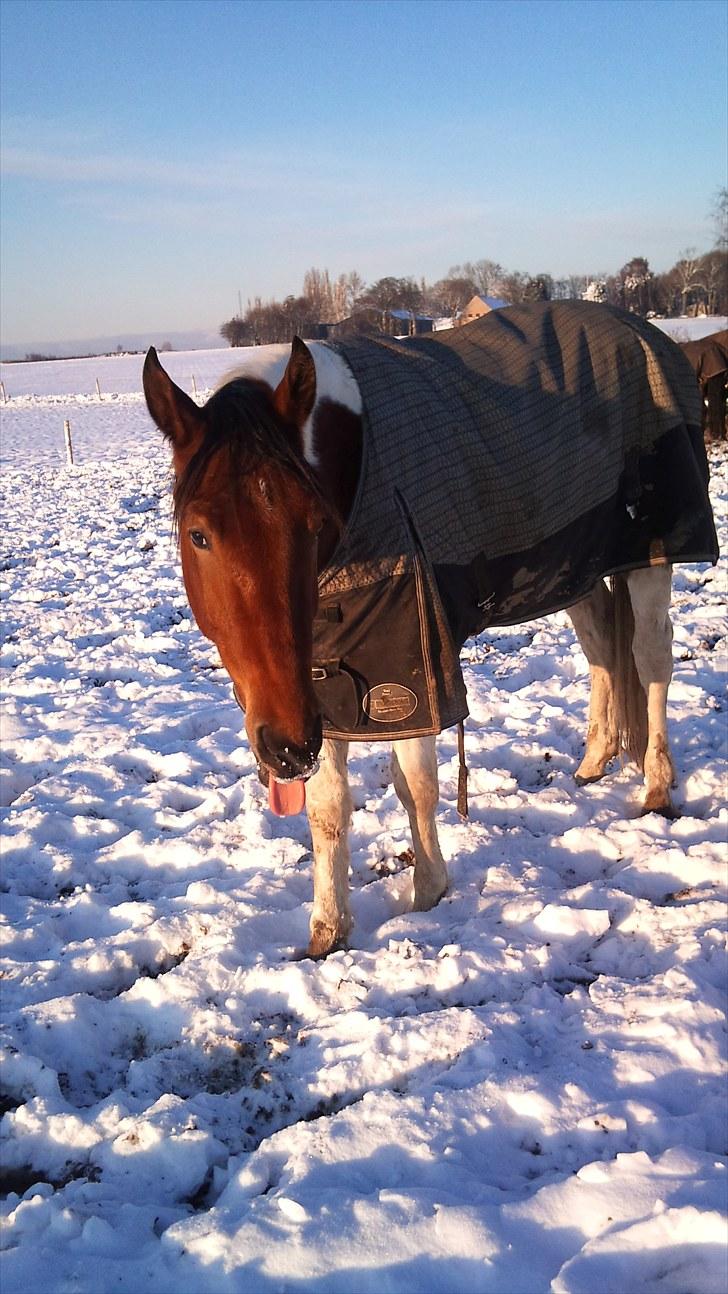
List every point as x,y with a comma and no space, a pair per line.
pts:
271,475
708,357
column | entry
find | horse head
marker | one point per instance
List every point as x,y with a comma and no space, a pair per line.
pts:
249,509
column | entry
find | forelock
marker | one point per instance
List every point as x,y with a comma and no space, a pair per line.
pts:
240,419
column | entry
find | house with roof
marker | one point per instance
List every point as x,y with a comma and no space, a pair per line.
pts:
479,306
392,323
405,323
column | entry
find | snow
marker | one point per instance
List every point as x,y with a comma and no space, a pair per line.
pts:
521,1091
689,329
112,422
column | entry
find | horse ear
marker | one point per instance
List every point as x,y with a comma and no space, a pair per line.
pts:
176,415
295,396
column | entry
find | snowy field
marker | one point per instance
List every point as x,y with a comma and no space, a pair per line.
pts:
108,422
692,329
522,1091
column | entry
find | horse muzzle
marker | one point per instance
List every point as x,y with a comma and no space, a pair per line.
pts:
287,761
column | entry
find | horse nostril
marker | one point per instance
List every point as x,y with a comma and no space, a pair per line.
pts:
265,745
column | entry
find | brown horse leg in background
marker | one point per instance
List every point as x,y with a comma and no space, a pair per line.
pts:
715,407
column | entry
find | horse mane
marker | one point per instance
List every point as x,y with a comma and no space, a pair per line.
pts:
240,418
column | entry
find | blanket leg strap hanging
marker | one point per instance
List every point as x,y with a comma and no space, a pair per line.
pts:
462,773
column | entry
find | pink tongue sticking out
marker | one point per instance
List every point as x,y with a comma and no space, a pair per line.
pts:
286,798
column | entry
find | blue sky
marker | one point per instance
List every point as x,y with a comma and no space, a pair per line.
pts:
160,156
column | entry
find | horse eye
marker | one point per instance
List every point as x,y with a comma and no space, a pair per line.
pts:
198,539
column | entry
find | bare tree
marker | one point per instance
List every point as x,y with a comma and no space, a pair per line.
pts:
452,294
632,286
714,271
577,286
393,294
539,288
317,291
514,287
687,274
719,216
694,280
236,332
346,291
486,275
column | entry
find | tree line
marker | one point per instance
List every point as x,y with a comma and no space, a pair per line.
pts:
697,282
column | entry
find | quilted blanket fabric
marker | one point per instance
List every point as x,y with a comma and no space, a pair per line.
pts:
507,465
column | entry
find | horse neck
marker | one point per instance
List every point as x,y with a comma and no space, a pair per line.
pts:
332,439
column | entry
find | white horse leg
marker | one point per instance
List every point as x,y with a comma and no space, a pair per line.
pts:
414,772
649,592
593,624
328,805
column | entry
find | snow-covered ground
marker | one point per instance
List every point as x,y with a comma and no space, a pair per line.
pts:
692,329
522,1091
108,422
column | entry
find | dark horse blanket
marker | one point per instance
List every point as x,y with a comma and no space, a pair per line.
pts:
708,356
507,465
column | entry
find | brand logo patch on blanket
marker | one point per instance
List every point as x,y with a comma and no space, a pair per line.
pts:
389,703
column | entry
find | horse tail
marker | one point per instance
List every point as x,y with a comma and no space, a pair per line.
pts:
630,698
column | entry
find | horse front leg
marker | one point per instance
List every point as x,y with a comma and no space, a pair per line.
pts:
593,622
414,772
328,805
650,591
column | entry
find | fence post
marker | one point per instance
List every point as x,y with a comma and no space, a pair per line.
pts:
98,389
194,385
69,442
2,392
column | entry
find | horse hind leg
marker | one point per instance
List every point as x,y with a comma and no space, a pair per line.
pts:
414,772
593,621
328,806
649,591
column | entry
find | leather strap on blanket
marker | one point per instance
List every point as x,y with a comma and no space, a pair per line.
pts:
462,773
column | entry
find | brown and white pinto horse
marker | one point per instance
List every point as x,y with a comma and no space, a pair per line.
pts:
266,473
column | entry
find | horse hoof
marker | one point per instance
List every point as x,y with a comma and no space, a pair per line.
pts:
658,802
324,940
424,902
595,773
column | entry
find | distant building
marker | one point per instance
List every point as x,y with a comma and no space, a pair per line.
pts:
318,331
479,306
365,320
405,323
390,323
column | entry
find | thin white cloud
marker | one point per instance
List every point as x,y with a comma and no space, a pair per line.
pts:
34,164
294,179
157,210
